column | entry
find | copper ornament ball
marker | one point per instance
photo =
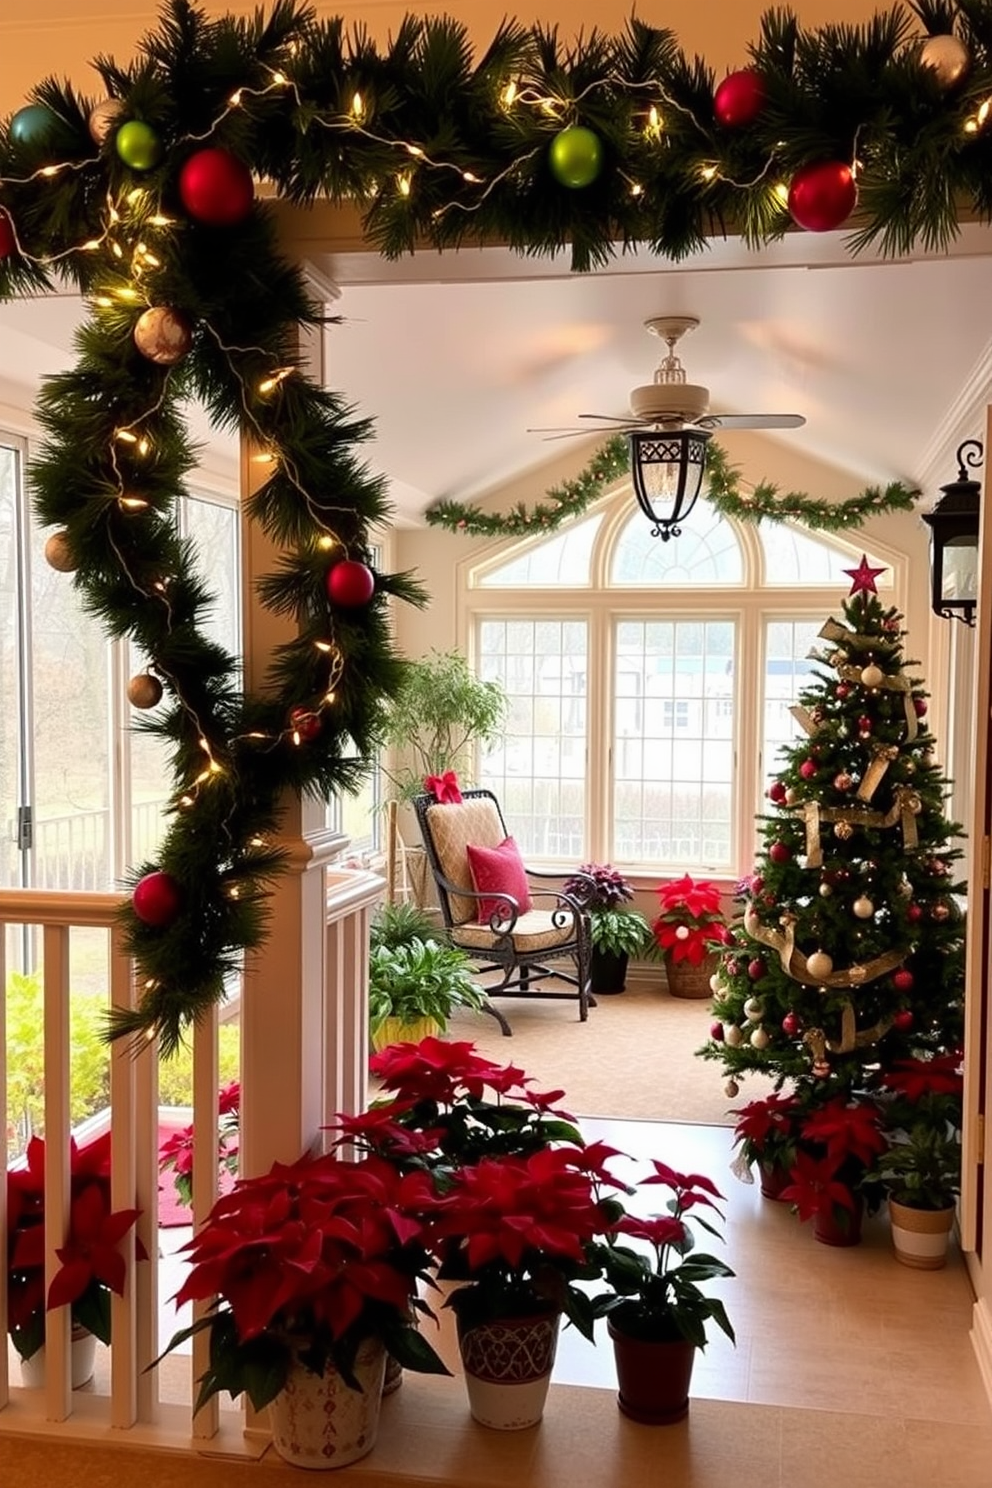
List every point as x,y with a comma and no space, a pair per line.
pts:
144,691
103,118
947,58
59,554
163,335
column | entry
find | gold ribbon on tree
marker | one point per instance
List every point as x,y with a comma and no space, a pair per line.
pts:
795,965
906,807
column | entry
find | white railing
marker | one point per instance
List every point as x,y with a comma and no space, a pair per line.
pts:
134,1403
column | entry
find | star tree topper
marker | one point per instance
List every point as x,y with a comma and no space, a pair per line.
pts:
864,577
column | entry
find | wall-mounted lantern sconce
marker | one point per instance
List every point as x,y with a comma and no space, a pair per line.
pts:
953,527
666,467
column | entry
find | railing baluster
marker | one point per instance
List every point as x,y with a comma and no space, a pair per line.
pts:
57,1169
205,1082
124,1356
4,1376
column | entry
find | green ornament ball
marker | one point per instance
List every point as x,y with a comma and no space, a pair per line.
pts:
34,125
576,157
138,145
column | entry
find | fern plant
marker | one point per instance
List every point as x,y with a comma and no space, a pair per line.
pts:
421,979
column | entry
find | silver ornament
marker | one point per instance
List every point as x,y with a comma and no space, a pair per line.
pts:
59,555
753,1009
732,1035
103,118
760,1039
947,57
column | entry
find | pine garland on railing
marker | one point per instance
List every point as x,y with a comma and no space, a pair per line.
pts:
144,201
723,491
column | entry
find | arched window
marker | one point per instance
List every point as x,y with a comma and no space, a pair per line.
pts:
650,683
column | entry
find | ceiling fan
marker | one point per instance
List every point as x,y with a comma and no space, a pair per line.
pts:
670,402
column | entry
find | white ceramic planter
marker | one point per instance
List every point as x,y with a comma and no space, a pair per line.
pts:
320,1422
920,1236
507,1367
82,1361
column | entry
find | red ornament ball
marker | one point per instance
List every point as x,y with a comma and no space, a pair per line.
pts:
780,852
903,1020
733,968
757,884
216,188
864,724
7,240
822,196
740,98
842,690
716,1031
920,706
914,913
350,584
305,723
843,781
791,1025
808,769
776,792
756,969
903,980
157,899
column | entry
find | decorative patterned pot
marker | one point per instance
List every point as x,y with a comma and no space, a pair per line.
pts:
318,1421
82,1361
686,980
836,1225
920,1236
654,1377
508,1368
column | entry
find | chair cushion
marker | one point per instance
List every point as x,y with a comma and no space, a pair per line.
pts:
535,931
451,829
498,870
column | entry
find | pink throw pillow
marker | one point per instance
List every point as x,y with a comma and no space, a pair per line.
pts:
498,870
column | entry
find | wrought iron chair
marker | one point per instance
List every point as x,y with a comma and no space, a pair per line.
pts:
526,947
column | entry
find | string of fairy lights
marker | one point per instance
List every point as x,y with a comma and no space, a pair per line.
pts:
138,196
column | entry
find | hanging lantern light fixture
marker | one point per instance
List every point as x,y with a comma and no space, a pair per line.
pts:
953,527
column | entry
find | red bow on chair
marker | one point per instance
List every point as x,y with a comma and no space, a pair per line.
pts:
444,788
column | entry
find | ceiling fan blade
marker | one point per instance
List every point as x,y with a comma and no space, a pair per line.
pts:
612,418
549,434
752,421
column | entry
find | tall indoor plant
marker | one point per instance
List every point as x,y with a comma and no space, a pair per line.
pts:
656,1310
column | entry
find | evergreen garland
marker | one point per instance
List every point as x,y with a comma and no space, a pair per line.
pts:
723,492
438,147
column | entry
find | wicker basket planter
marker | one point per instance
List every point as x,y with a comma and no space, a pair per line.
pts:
686,980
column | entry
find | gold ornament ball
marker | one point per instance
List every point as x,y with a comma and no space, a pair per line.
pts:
716,983
947,58
103,119
791,796
731,1089
863,907
872,676
732,1035
759,1039
59,555
825,891
819,964
753,1009
144,691
163,335
844,831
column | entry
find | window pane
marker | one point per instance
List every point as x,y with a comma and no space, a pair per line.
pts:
707,553
787,671
538,769
560,560
673,742
792,557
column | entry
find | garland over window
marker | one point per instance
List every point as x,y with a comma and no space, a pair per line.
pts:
612,461
143,198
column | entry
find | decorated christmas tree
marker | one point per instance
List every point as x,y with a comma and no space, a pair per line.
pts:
847,956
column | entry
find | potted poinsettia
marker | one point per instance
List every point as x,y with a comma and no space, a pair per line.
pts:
656,1310
175,1153
314,1267
835,1176
92,1265
767,1133
688,930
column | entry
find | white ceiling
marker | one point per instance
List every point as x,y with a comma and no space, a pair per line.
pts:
457,356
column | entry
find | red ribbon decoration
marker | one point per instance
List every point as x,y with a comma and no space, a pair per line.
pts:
444,788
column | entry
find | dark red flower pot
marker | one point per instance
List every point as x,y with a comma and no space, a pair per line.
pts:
835,1225
773,1178
653,1377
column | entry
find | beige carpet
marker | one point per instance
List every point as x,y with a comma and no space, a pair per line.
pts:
634,1056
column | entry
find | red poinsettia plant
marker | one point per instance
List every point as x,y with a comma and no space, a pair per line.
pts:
691,923
175,1154
767,1131
306,1262
92,1264
841,1144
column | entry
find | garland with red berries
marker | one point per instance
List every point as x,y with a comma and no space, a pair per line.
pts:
143,199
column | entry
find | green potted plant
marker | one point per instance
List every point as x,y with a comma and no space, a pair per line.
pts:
656,1311
616,932
414,987
688,929
314,1267
921,1170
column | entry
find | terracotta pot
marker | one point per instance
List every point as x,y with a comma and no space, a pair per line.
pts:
835,1225
772,1178
318,1421
607,972
920,1236
507,1367
82,1361
653,1377
686,980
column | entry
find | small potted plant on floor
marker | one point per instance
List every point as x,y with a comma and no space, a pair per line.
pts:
687,933
415,986
657,1313
314,1267
921,1171
835,1176
767,1133
616,931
